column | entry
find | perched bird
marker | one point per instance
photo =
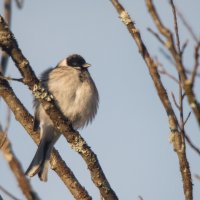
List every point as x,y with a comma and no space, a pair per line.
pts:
77,97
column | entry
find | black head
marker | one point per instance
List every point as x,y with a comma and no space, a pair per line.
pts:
77,61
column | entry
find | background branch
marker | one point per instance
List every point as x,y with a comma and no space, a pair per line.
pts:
187,25
7,193
177,141
186,83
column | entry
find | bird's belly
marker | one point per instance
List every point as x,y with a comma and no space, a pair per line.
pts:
77,105
78,100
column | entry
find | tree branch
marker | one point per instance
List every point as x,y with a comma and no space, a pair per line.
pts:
186,83
16,168
187,25
26,120
175,26
7,193
178,141
9,44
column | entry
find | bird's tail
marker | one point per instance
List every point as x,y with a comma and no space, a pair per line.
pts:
40,162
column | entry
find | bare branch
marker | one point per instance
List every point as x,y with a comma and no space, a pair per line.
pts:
8,193
167,56
188,116
19,3
156,36
196,62
184,47
187,25
26,120
162,70
17,170
8,78
197,150
175,102
63,125
190,72
140,197
175,26
178,140
186,83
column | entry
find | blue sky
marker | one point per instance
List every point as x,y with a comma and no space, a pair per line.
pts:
130,132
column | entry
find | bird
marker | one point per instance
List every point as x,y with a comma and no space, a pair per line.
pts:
75,94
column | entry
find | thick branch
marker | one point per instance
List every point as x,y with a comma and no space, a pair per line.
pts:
9,44
178,140
26,120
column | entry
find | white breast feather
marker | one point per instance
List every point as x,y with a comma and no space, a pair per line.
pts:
77,99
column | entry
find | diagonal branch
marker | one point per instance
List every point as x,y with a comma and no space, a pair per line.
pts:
17,170
11,196
177,138
63,125
26,120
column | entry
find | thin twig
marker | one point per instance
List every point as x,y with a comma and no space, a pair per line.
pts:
181,96
156,35
186,83
162,70
196,62
167,56
187,25
19,3
8,78
175,26
197,150
165,72
187,118
175,102
184,47
190,72
8,193
140,197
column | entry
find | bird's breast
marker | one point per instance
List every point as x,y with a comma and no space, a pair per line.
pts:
77,98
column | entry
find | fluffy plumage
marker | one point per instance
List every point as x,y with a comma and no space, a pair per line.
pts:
77,97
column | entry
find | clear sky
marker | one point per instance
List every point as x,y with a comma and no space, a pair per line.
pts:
130,133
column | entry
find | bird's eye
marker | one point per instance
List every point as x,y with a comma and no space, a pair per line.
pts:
74,64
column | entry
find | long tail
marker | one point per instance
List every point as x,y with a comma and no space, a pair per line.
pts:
40,162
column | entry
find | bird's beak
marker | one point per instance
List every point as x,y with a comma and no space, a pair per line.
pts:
86,65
